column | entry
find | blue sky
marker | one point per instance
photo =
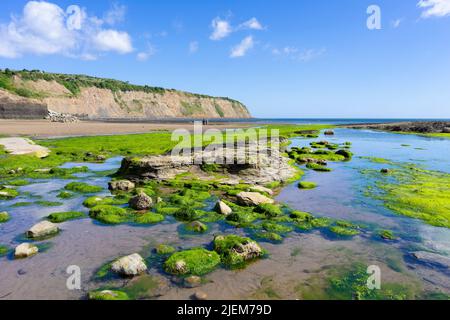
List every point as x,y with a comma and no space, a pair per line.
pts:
290,58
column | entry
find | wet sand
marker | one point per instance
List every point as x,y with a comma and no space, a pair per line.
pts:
45,128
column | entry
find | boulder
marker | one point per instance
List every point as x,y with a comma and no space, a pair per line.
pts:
42,229
329,133
25,250
121,185
385,170
131,265
141,202
446,130
261,189
223,208
432,259
252,199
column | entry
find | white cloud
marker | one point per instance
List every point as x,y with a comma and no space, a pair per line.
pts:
252,24
434,8
221,29
297,54
241,49
145,55
112,40
44,28
115,15
396,23
193,47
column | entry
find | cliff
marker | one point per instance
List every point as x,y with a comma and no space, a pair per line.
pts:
104,98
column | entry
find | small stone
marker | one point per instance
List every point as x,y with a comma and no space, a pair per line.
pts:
329,133
141,202
43,170
42,229
192,281
131,265
180,267
384,170
25,250
12,171
200,295
101,157
223,208
21,272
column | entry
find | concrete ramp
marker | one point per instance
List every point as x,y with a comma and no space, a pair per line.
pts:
18,146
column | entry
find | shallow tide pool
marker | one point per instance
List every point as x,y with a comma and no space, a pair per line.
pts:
294,269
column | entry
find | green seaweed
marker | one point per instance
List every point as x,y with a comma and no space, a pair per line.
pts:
58,217
197,261
82,187
307,185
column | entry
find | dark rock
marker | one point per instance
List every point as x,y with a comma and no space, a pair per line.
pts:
141,202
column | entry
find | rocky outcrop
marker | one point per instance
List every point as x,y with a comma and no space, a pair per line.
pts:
121,185
15,107
252,168
415,127
131,265
252,199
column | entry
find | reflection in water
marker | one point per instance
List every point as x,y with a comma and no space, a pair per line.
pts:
294,269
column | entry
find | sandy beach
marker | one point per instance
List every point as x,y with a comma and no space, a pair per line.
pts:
46,129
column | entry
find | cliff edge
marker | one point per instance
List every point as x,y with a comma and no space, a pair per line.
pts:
25,94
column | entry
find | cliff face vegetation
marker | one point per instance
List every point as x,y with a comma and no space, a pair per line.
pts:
106,98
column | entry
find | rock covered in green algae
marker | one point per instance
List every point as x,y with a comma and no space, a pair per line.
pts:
129,266
387,235
149,218
96,201
164,249
307,185
8,193
196,226
58,217
347,154
235,250
42,229
82,187
4,217
269,210
197,261
109,214
3,250
108,295
318,167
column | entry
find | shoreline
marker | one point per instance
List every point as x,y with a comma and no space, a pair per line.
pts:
46,129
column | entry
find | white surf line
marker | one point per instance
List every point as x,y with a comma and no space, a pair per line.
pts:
19,146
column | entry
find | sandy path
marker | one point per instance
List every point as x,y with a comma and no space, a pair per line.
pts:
45,129
19,146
